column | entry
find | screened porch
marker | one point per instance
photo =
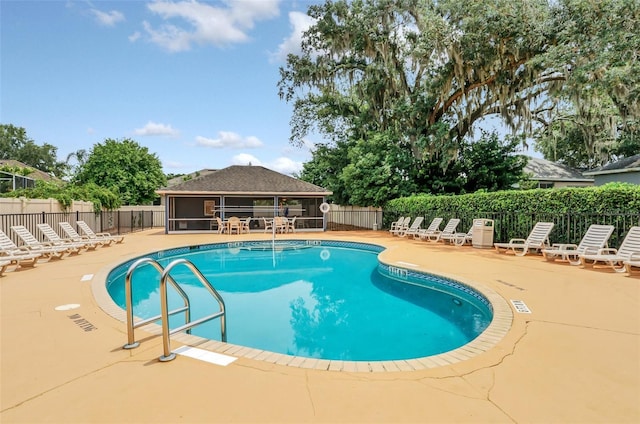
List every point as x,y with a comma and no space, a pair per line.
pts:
200,213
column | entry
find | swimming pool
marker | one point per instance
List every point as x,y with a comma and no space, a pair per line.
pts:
310,299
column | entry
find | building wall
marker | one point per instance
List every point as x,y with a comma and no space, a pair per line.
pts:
623,177
559,184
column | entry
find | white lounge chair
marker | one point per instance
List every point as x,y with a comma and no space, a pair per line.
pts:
84,227
13,255
20,256
538,239
434,226
413,229
73,235
460,239
448,231
55,240
3,266
47,249
632,262
594,239
401,226
20,260
616,258
395,224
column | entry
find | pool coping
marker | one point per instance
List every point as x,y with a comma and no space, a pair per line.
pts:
488,339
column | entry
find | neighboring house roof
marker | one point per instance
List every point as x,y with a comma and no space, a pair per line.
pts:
545,170
245,180
630,164
36,174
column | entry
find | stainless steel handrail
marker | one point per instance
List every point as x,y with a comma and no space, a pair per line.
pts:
131,343
167,354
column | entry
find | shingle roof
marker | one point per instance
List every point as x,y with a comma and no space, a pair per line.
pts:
36,174
182,178
543,169
630,164
238,179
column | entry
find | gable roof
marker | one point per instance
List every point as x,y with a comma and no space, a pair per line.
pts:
630,164
546,170
246,180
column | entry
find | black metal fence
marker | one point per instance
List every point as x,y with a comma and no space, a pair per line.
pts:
568,228
114,222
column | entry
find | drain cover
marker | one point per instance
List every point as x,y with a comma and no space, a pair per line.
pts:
520,306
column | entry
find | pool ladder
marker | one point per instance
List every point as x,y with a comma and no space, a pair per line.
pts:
165,313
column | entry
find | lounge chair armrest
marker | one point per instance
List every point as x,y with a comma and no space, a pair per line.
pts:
20,249
634,256
591,251
608,251
563,246
517,241
103,234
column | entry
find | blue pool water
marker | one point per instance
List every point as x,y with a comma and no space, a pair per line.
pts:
333,301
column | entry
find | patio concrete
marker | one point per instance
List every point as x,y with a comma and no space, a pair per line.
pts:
575,358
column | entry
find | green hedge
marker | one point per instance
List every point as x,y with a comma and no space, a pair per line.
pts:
515,211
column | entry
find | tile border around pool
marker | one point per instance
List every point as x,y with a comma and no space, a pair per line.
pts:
494,333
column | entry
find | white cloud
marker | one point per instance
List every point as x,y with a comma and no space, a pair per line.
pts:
283,165
207,24
135,36
231,140
245,12
107,18
245,159
153,128
286,166
300,22
170,37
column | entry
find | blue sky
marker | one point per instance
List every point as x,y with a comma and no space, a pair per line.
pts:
193,81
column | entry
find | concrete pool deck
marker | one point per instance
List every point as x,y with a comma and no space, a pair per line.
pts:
574,358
